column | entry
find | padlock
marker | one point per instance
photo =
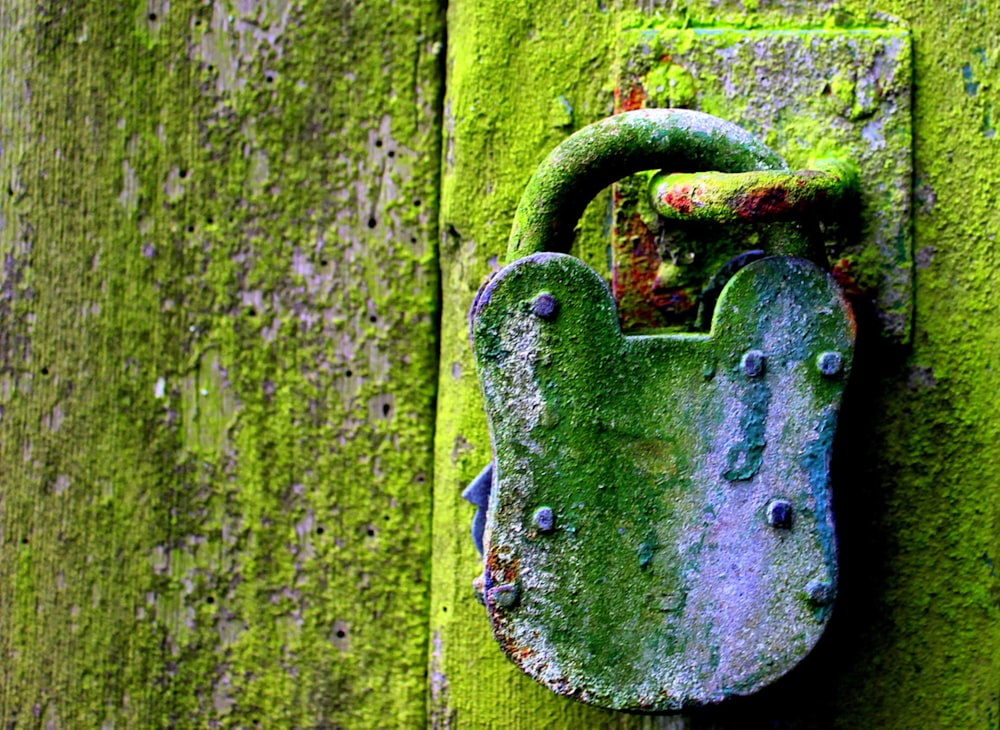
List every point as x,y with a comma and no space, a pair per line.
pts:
658,528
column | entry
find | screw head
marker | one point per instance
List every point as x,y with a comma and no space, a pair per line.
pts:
830,363
819,592
504,596
545,519
779,513
753,363
545,306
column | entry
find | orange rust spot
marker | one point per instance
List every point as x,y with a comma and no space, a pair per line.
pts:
512,649
680,198
630,99
676,300
769,202
842,273
633,277
509,570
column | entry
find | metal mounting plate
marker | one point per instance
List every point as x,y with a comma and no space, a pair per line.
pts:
805,94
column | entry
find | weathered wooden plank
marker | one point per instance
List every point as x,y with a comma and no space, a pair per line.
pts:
915,632
218,354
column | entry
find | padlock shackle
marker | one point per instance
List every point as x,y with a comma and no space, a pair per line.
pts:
675,140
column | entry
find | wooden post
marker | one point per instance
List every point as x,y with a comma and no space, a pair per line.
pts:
217,362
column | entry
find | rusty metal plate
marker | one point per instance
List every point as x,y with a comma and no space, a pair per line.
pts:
806,94
659,532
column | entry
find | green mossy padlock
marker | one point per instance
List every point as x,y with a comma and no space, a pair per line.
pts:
658,530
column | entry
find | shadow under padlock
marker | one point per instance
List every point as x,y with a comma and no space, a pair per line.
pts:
656,524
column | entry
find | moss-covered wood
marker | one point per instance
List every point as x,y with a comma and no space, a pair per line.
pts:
217,365
217,362
914,638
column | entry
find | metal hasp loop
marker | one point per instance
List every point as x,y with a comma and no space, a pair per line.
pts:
677,140
758,196
658,528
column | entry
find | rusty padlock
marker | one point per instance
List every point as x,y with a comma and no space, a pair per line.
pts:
656,525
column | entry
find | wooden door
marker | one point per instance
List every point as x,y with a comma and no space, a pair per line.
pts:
914,639
238,407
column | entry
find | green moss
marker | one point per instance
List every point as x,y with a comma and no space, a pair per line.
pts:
138,508
220,352
915,491
670,86
649,469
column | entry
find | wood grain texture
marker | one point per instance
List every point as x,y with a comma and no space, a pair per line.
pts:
913,639
218,357
217,362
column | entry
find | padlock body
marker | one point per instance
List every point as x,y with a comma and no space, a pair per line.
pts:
659,533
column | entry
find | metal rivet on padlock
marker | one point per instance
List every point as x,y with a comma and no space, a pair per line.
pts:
689,581
830,363
753,363
545,520
503,597
779,513
820,592
545,306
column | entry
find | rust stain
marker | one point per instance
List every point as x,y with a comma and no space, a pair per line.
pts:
843,272
767,203
633,97
509,569
643,299
681,198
